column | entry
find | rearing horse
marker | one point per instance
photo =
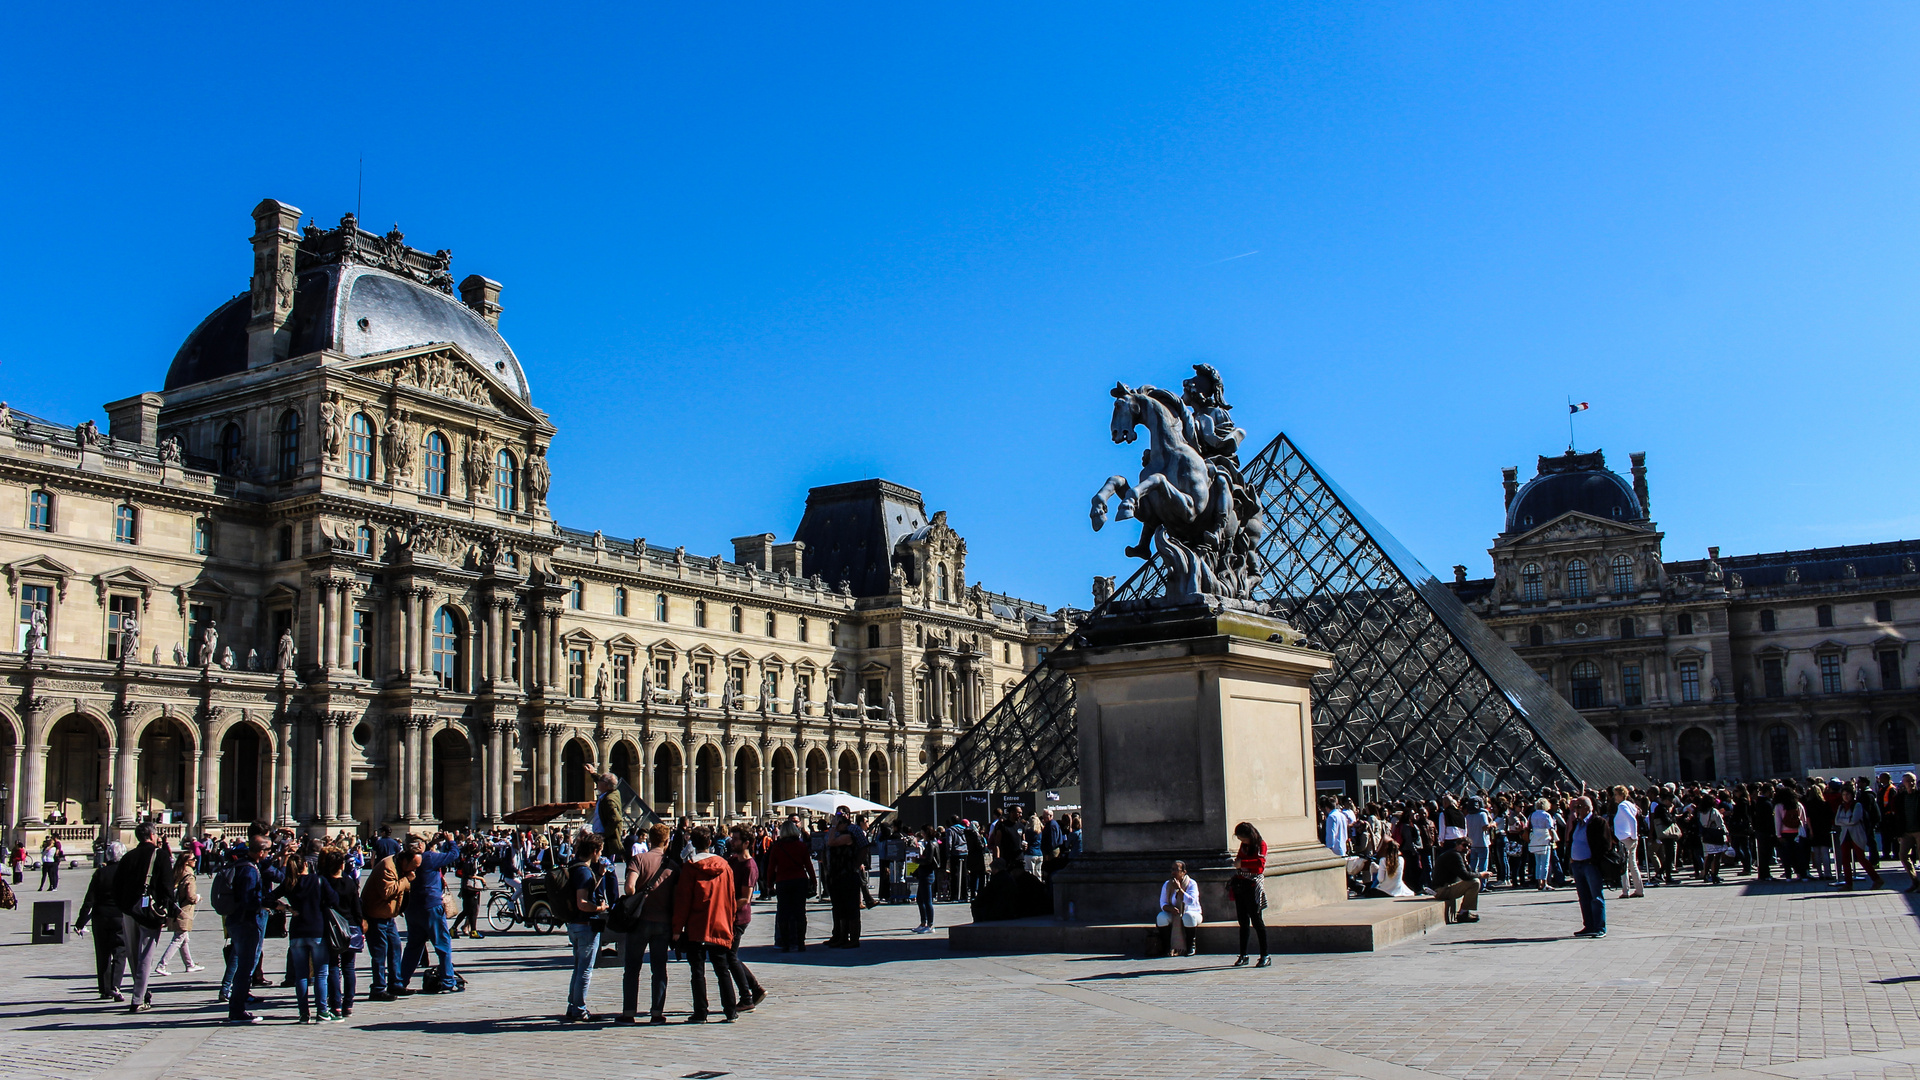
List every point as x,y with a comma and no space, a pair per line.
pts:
1176,486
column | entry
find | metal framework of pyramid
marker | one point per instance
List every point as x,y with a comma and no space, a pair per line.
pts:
1419,686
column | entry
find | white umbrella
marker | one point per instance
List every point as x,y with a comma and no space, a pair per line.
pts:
826,802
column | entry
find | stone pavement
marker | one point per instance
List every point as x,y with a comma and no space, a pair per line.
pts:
1741,980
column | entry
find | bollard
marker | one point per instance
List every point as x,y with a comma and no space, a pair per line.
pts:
49,922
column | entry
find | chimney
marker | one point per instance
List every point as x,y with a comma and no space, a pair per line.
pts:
1510,479
135,419
755,551
790,557
1640,481
1459,574
482,295
276,237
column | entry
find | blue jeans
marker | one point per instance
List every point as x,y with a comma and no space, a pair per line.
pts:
304,953
341,986
1592,892
424,927
1540,861
924,895
237,982
383,951
1477,859
585,938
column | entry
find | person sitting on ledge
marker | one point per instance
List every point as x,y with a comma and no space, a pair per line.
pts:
1455,884
1179,902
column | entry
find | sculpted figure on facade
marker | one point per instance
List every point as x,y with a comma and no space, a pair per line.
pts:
540,477
646,685
170,452
399,439
1198,519
129,639
799,698
253,660
331,428
209,645
284,651
36,631
600,684
179,655
686,688
226,658
87,435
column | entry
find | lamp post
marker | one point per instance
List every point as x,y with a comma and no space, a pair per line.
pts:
286,805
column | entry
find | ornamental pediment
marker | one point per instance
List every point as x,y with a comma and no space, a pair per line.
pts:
1578,526
444,370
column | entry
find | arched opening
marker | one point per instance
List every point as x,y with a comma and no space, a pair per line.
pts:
783,775
746,776
164,772
452,778
1585,685
942,591
436,463
77,764
1780,749
360,447
849,772
506,481
1839,750
706,775
9,766
666,776
878,789
230,449
817,779
573,772
1696,756
242,775
626,763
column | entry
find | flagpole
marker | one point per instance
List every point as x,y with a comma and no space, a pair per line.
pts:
1570,410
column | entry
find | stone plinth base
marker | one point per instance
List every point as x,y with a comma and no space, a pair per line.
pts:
1347,926
1117,888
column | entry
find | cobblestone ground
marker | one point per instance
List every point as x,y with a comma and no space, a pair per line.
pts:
1740,980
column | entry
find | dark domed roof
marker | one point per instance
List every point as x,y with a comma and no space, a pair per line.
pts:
1573,483
348,306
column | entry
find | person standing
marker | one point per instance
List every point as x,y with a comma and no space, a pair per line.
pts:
186,896
1626,830
1902,821
246,927
845,869
1790,834
793,882
109,931
1850,824
381,899
50,855
1542,830
586,912
143,891
1590,837
426,911
703,913
652,873
335,870
608,813
1250,890
926,860
309,961
746,875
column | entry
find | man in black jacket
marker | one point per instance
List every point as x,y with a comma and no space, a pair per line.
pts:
109,943
142,890
1590,844
1455,883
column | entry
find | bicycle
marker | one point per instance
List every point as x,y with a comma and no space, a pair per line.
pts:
504,911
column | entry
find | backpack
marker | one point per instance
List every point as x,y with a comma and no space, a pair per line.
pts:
1790,818
558,880
220,897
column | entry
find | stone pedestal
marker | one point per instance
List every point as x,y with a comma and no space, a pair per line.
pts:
1191,722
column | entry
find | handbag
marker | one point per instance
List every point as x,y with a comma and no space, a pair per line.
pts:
157,904
277,924
337,931
1671,832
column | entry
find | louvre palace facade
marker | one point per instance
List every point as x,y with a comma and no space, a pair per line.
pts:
314,580
1727,667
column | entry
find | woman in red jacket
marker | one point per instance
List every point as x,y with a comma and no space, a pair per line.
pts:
1249,889
703,913
790,862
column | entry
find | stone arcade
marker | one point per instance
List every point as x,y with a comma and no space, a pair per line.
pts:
315,580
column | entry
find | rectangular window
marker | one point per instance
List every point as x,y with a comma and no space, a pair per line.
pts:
1830,673
621,684
1823,615
125,527
920,696
662,672
34,598
1684,623
1883,611
739,676
876,694
1006,652
40,511
1689,680
119,610
700,681
363,643
1773,676
513,661
1768,622
577,672
1889,670
1630,685
804,684
800,629
873,636
286,542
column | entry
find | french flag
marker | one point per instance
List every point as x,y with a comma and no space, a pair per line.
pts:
1576,406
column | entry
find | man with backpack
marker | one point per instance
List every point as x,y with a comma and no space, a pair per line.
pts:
648,901
381,900
586,917
239,897
426,914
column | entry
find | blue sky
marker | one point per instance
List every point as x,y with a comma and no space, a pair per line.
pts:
753,249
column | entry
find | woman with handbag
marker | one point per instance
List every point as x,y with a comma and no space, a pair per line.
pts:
1713,837
1249,890
309,962
186,895
346,930
472,881
1849,824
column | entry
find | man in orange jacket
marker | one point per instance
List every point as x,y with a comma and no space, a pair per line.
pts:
703,908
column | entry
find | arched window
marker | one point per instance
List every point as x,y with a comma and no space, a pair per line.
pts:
660,607
1894,743
1769,622
202,536
699,613
125,524
942,578
1530,582
1627,627
734,620
506,481
1577,586
40,511
801,632
290,445
1586,685
620,602
1622,575
436,464
577,595
773,625
363,540
1834,735
360,447
230,449
1780,749
448,647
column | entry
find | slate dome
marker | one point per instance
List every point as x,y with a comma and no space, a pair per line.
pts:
1573,483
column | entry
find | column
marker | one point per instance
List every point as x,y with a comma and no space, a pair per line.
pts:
343,787
126,768
402,778
556,667
31,796
542,788
404,639
424,647
535,630
209,771
328,636
689,791
282,770
502,770
723,798
487,635
345,615
193,784
329,768
766,780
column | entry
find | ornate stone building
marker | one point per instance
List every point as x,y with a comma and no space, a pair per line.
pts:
314,579
1717,668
